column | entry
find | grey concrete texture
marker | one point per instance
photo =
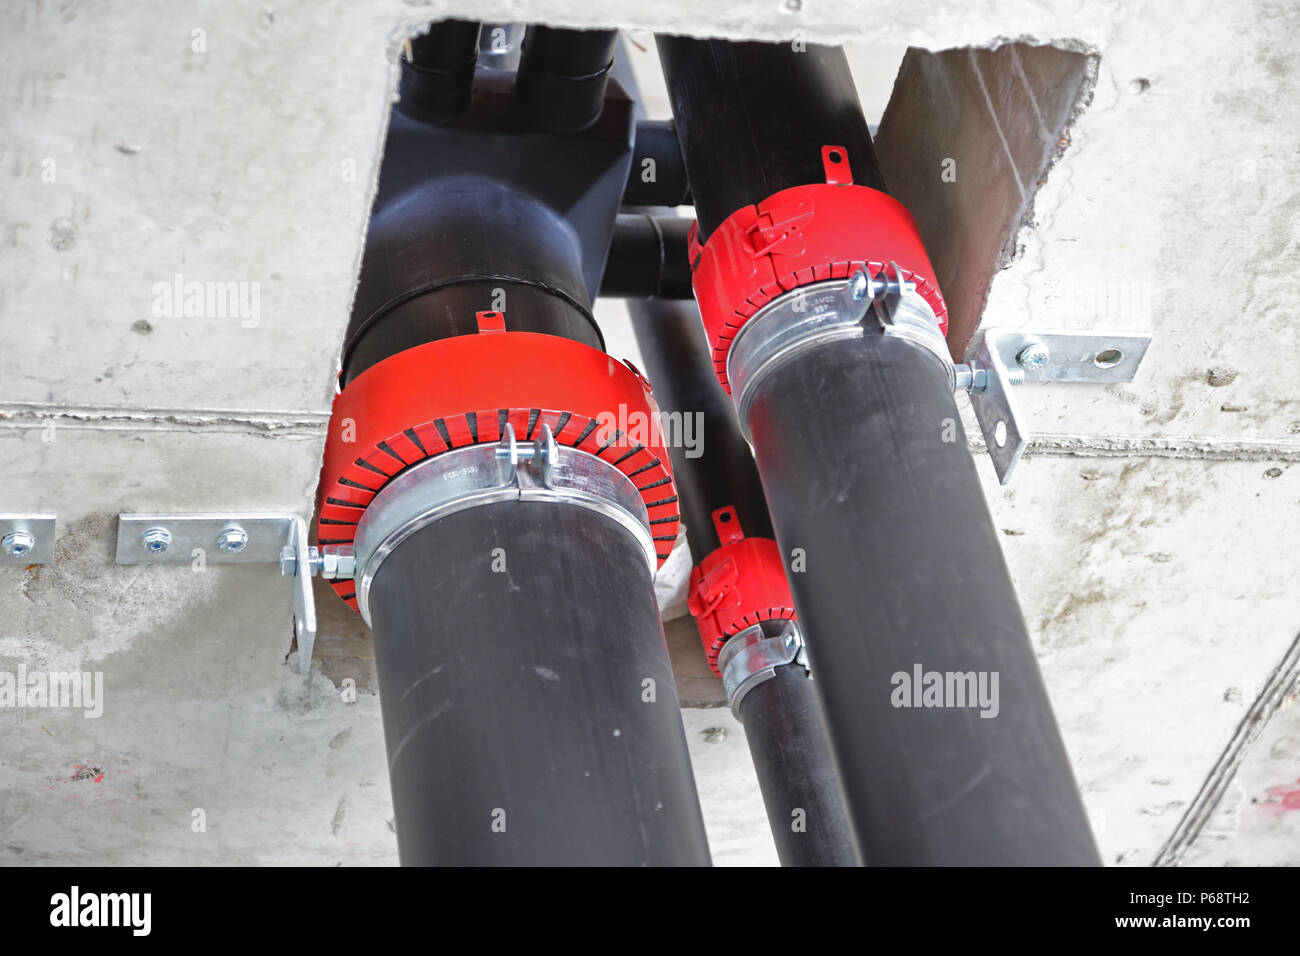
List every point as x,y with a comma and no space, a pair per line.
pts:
1150,530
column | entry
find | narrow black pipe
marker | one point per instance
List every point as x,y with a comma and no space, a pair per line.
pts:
786,732
658,174
783,718
648,259
715,468
747,113
527,695
894,563
438,74
897,574
562,76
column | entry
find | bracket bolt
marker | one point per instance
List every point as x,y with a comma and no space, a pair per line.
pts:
863,286
18,543
859,286
156,540
1035,355
970,378
289,561
232,540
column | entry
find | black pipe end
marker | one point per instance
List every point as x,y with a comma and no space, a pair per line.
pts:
438,71
562,77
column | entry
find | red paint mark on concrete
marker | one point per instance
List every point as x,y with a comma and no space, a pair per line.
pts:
1284,798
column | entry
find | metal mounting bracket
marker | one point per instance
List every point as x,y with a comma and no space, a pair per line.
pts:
26,539
999,358
229,539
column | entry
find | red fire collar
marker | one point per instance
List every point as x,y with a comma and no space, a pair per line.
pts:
798,236
462,391
737,586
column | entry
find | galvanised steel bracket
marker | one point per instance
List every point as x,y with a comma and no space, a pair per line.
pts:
230,539
26,539
999,358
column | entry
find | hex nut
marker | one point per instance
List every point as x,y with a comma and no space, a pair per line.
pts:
156,540
18,543
232,540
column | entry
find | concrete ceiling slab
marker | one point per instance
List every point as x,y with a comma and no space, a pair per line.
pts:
1150,531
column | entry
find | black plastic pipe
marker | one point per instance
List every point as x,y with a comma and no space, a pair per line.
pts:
783,719
437,255
894,562
900,575
648,259
438,76
658,174
677,362
802,791
527,695
487,214
528,700
562,76
752,111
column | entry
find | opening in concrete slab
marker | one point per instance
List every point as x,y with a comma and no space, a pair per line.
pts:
967,139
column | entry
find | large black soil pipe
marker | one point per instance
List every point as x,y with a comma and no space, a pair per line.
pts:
528,700
783,718
901,569
515,706
894,561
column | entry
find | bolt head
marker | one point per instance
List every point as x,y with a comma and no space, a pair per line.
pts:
859,286
156,540
1034,355
288,561
18,543
232,540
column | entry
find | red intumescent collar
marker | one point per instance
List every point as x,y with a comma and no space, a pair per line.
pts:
799,236
464,390
740,584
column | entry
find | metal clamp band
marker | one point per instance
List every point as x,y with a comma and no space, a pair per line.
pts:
996,360
823,312
479,475
751,657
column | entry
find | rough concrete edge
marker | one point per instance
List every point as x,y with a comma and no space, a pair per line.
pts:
1206,803
1082,100
1013,246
